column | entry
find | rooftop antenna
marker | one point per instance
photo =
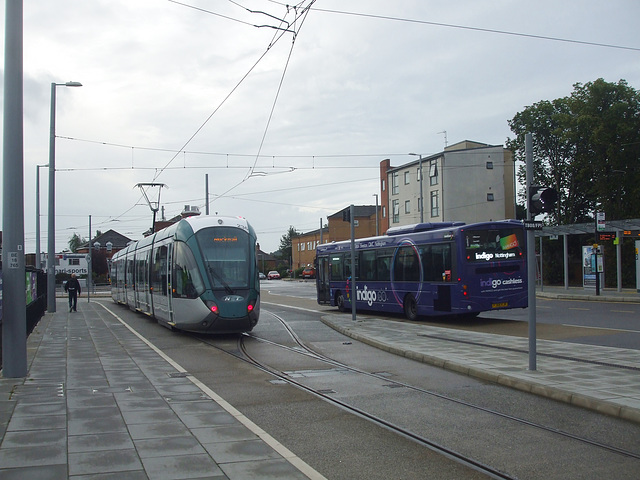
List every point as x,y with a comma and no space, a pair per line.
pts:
145,188
445,138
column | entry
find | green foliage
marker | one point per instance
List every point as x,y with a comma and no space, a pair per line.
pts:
587,147
75,241
286,241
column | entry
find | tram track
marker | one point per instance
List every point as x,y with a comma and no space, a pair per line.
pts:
318,356
300,348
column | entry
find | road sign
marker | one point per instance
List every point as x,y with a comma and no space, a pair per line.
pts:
532,225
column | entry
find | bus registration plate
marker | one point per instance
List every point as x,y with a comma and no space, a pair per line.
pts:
500,305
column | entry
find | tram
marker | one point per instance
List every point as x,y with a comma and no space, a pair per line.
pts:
198,275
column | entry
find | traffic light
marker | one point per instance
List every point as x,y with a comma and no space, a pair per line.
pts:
346,214
541,199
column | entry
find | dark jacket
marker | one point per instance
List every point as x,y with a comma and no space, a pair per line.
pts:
72,284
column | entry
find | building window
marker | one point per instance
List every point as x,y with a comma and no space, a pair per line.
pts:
433,172
302,247
396,210
384,211
489,197
384,185
394,183
407,178
418,174
435,210
489,165
407,206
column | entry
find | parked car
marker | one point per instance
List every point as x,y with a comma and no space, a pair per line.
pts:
262,276
309,272
273,275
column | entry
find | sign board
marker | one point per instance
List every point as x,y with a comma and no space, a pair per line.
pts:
605,236
600,224
589,267
532,225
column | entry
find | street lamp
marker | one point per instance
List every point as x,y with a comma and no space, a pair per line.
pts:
38,262
377,228
51,257
420,173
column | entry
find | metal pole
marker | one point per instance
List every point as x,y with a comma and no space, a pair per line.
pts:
51,257
619,259
353,263
566,261
89,264
377,227
206,194
531,257
38,260
421,199
541,268
14,328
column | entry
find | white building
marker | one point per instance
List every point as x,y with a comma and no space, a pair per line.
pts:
69,263
468,182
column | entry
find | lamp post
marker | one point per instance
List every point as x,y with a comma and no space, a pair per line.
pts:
38,262
420,173
377,228
51,257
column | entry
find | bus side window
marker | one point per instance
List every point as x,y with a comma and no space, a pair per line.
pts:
384,264
337,267
436,262
367,265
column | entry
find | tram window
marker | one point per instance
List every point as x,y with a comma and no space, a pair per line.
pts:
367,265
187,281
384,264
226,254
159,270
406,266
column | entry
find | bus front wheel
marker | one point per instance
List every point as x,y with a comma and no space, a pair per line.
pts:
410,308
340,301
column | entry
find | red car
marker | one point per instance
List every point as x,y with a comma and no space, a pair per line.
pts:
273,275
309,272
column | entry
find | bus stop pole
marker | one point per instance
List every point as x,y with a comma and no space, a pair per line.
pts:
531,255
353,263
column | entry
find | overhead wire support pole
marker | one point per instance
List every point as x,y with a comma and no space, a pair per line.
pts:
14,336
352,217
531,255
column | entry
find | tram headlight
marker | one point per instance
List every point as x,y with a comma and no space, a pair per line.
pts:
212,306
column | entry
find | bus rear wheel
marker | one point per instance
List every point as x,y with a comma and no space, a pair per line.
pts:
410,307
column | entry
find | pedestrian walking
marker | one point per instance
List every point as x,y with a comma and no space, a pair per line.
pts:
73,287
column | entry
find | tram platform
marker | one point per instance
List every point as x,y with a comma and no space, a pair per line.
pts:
100,402
604,379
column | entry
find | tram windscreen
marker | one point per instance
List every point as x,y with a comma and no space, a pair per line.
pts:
494,245
226,254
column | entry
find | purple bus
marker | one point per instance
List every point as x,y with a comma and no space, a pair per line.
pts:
428,269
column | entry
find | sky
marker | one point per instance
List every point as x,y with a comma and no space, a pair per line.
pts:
287,111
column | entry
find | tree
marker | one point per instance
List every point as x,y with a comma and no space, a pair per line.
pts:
286,242
75,241
587,147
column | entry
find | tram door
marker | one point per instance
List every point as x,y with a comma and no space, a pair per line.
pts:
322,280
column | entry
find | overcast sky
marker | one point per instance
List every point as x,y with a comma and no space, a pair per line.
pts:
290,127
